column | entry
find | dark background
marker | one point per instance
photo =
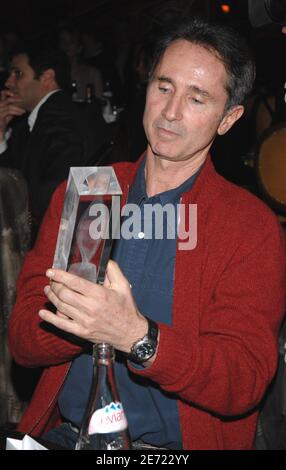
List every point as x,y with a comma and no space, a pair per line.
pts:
31,18
124,25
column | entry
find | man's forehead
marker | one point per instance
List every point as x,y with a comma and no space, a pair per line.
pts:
189,48
20,60
189,56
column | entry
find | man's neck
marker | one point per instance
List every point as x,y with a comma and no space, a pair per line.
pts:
34,114
162,175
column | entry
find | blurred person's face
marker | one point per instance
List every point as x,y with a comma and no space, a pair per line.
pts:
186,102
69,45
22,84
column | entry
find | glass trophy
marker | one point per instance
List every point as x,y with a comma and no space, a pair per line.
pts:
90,222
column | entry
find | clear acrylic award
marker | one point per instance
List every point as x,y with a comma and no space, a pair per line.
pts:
90,222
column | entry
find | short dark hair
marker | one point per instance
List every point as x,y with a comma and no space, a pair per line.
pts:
43,57
223,41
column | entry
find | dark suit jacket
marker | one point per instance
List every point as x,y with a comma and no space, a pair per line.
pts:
63,136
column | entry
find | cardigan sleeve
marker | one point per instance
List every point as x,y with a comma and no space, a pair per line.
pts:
225,366
31,342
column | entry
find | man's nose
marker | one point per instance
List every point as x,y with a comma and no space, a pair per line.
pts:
11,81
173,108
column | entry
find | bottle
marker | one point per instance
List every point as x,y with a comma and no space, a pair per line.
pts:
115,115
104,425
107,92
107,99
89,93
74,90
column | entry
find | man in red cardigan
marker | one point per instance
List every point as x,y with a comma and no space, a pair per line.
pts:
215,353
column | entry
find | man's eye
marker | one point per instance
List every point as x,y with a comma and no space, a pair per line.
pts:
18,73
163,89
196,101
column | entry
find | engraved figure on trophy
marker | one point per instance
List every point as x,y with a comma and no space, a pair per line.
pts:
88,241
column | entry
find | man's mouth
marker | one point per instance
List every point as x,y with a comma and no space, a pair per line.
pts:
167,132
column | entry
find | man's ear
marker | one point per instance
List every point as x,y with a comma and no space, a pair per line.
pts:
232,115
48,77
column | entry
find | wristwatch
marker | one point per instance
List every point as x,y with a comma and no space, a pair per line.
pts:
145,348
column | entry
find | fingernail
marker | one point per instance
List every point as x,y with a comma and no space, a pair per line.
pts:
46,289
50,273
41,313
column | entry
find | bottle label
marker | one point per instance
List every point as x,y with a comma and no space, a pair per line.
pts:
111,418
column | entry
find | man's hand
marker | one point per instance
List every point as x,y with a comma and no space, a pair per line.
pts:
9,107
96,313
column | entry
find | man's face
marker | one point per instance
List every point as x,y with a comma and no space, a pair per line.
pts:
22,84
69,44
185,104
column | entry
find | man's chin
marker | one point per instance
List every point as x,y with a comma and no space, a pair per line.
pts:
166,152
170,156
23,106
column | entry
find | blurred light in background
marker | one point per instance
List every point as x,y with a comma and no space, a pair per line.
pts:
225,8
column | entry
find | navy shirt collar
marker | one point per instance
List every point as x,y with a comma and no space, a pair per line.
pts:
138,193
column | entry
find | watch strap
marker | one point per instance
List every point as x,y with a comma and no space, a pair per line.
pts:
152,329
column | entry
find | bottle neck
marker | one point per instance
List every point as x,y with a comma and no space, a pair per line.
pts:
104,378
103,354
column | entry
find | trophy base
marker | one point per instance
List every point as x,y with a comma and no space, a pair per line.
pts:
85,270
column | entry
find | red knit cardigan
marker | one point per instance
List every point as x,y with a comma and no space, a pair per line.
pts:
220,353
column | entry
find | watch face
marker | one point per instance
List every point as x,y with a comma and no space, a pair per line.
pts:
145,350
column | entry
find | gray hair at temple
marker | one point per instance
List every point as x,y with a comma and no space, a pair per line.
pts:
226,44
